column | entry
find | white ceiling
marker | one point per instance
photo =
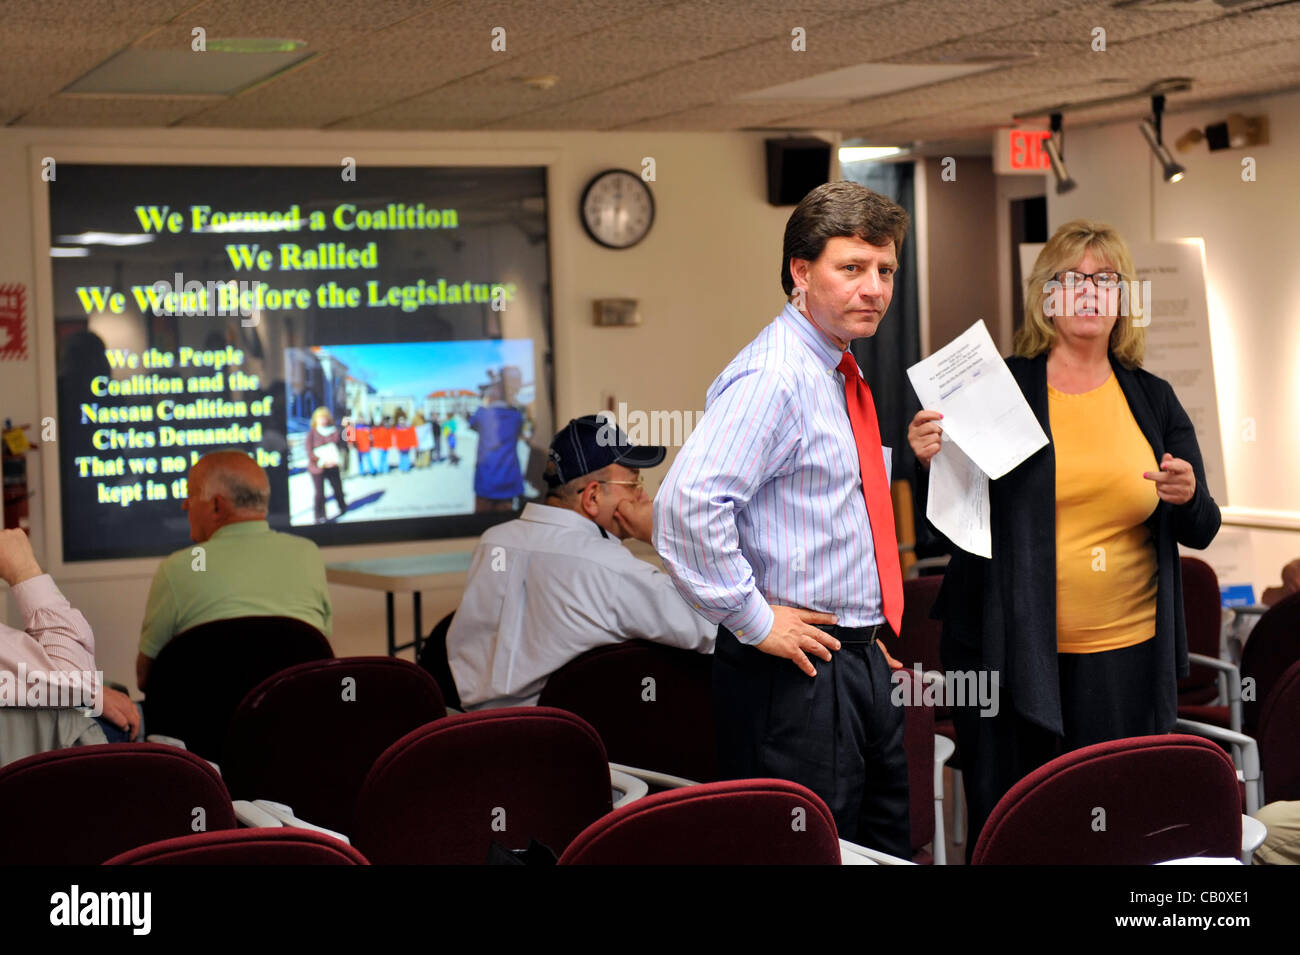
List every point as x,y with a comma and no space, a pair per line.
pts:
650,64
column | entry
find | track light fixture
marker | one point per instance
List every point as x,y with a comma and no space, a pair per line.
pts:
1150,128
1052,145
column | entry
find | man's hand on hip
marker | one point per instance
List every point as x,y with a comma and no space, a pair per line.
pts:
893,664
793,636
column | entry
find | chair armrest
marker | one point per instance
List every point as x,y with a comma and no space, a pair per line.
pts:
283,813
1224,665
251,817
875,856
1229,669
627,788
665,780
943,750
1253,834
853,855
1230,673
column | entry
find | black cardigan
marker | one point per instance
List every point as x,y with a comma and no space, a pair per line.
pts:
1004,608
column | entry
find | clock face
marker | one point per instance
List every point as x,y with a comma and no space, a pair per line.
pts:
617,209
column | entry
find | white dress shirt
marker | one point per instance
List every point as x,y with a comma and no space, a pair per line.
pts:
547,587
764,503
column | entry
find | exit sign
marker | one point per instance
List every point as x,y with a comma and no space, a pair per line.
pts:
1020,152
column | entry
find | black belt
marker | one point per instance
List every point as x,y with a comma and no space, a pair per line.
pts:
850,635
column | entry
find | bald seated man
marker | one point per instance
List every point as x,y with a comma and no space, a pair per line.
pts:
245,569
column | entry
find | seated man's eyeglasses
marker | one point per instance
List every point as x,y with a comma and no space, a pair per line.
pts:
1107,279
639,483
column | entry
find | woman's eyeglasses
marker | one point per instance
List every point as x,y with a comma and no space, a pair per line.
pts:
1105,279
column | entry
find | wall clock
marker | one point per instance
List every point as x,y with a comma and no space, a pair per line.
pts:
617,209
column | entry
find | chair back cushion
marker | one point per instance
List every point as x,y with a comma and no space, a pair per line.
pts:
736,822
201,676
308,735
1134,801
442,794
84,805
652,705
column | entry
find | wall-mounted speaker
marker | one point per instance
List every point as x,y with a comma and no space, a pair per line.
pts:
795,167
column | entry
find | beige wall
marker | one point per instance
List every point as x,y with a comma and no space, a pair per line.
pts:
1252,235
707,277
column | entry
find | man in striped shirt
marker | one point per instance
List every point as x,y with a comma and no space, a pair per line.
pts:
763,524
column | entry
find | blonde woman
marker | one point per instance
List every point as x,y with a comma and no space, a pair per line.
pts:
1079,612
324,447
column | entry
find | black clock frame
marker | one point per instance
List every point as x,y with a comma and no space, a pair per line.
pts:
582,208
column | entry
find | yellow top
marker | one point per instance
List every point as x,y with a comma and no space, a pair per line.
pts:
1105,559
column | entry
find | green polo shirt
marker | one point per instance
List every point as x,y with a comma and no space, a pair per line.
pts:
245,570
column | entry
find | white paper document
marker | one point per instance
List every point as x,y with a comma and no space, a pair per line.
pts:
958,502
988,429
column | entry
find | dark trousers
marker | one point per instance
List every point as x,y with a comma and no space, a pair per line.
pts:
336,482
836,733
1104,696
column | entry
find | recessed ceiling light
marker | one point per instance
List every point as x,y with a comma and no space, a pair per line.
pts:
256,44
159,73
867,153
861,82
543,82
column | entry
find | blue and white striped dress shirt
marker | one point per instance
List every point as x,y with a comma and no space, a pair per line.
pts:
764,503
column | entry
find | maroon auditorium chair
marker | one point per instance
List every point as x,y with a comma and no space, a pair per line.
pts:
919,644
918,741
433,658
671,733
86,804
244,847
1163,797
1273,645
1271,648
308,735
443,793
738,822
1279,754
201,676
1202,611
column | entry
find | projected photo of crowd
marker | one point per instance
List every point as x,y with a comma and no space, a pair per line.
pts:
414,429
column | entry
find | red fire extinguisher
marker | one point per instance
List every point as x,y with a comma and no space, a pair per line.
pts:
14,447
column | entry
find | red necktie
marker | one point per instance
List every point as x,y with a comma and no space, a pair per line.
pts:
875,488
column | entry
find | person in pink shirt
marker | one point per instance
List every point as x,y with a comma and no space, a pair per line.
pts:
56,637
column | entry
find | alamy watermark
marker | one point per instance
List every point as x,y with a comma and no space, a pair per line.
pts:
61,689
1134,300
211,299
957,688
667,428
128,909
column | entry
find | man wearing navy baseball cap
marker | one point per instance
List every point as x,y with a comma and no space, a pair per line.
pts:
556,582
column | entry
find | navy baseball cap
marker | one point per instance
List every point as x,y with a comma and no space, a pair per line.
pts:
592,442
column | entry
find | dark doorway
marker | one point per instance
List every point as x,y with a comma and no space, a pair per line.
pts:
1028,224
